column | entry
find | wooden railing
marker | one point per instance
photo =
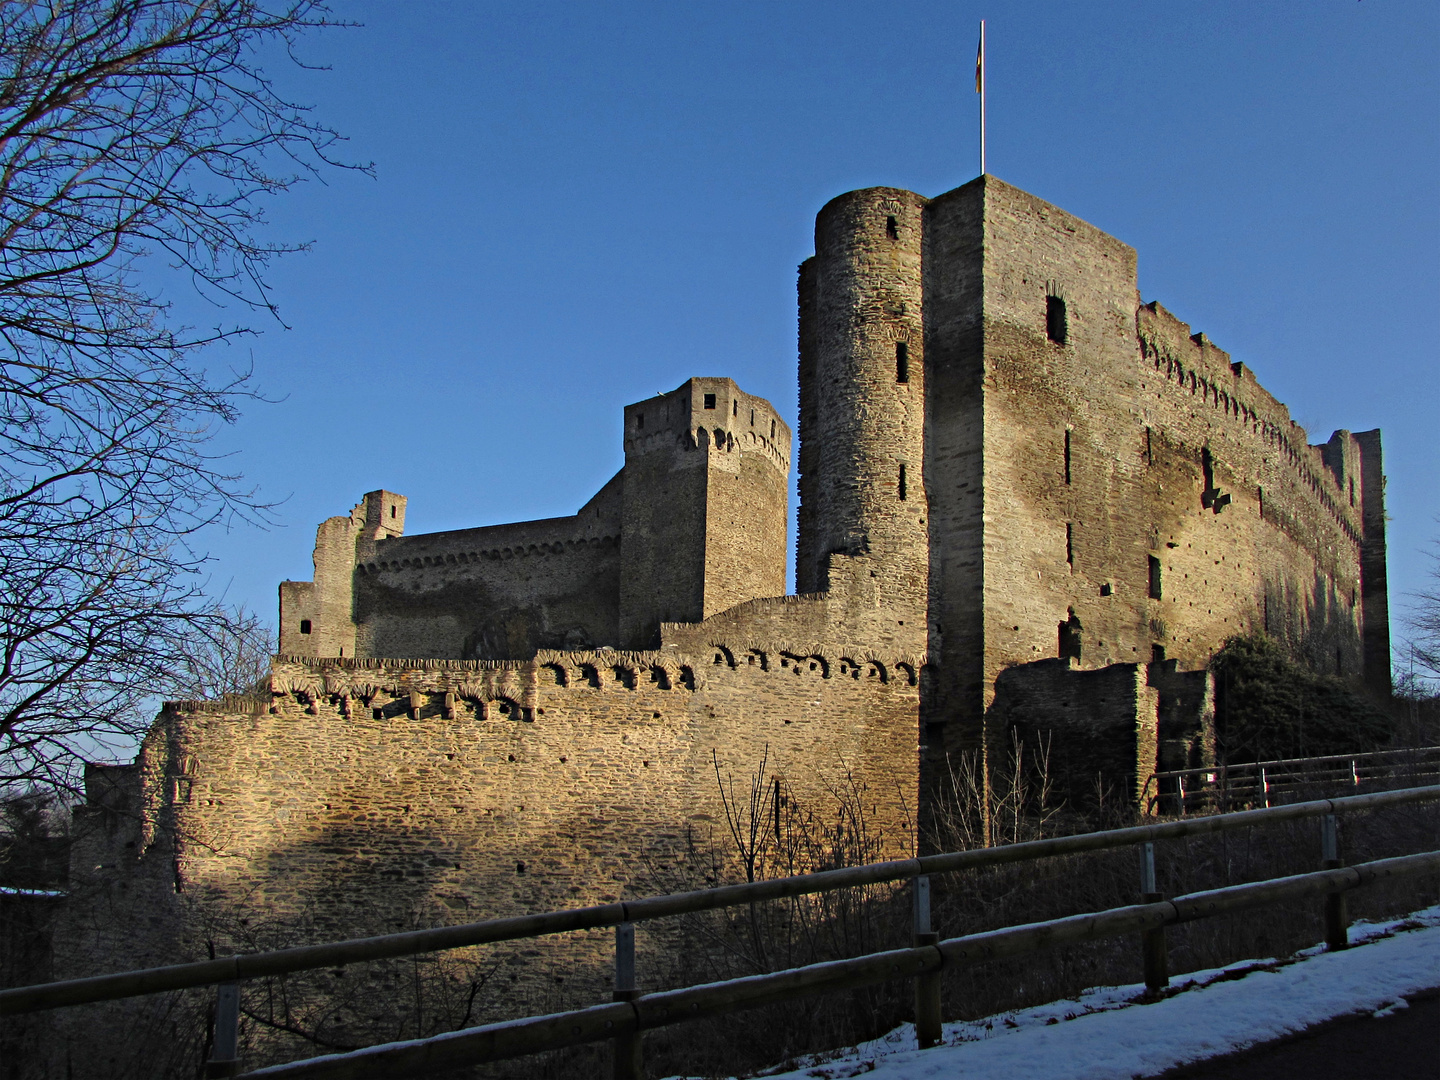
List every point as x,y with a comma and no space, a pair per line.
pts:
632,1012
1222,788
624,1020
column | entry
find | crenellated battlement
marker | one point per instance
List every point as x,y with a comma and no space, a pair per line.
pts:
1191,363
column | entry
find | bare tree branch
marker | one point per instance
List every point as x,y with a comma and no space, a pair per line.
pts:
130,130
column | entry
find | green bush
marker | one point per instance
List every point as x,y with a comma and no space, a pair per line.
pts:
1269,707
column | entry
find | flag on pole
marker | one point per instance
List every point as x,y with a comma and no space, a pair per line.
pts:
980,89
980,64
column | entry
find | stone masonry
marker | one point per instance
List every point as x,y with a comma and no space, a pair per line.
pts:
1029,502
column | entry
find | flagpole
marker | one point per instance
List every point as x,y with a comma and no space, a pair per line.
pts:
982,97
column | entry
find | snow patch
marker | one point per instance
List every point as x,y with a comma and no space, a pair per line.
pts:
1110,1033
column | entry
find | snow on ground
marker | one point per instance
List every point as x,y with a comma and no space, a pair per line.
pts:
1108,1034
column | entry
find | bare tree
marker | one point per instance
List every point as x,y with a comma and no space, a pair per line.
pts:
130,130
223,657
1418,675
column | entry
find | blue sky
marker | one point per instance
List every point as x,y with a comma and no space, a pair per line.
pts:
576,205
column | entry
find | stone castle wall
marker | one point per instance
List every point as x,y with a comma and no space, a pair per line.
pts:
693,524
1032,507
374,795
1134,444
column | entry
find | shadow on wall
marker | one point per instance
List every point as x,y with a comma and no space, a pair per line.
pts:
516,633
369,877
1318,624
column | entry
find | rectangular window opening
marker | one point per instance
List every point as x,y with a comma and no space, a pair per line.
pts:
1067,455
1154,577
305,626
1070,544
752,417
392,511
1070,643
902,362
1055,323
640,420
892,228
709,401
1157,654
735,408
902,483
772,429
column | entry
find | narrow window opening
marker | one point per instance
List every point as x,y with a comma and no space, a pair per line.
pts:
342,650
1070,544
892,228
772,429
1070,641
305,626
1207,466
392,511
1154,577
1067,455
1157,654
709,401
1149,450
902,483
752,417
640,420
902,362
1055,323
1352,492
735,408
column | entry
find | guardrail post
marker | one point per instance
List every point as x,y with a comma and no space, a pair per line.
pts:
1337,908
225,1051
927,984
1155,957
629,1059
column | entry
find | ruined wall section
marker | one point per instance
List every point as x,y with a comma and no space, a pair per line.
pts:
1094,731
497,592
317,618
863,414
375,794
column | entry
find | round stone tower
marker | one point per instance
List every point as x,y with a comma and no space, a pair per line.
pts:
862,401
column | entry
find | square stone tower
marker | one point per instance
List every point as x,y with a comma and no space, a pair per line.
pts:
1047,470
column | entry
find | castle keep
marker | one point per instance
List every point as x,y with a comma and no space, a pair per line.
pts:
1029,502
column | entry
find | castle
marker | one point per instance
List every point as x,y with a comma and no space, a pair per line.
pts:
1028,502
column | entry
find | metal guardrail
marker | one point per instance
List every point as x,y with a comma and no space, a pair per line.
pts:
626,1019
334,954
1256,783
